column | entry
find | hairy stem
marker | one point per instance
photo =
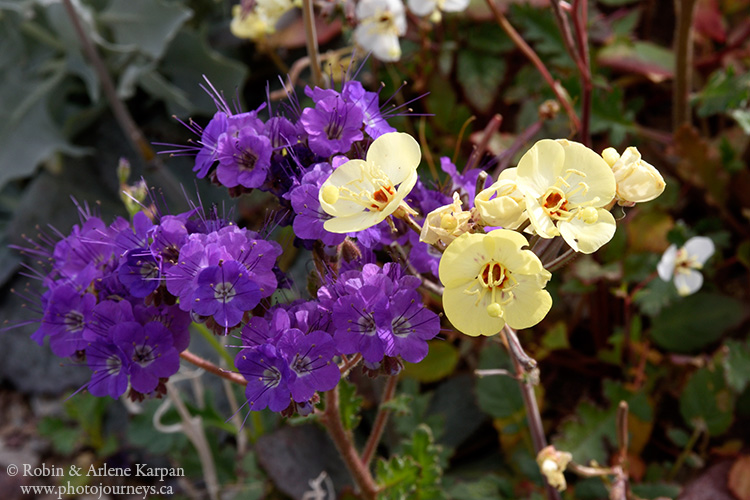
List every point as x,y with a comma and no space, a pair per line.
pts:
580,17
212,368
380,420
683,47
359,471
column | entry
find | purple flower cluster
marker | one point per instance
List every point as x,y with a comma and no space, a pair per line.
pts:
378,312
292,152
289,355
121,297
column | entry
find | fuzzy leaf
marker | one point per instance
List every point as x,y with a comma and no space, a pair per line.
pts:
737,365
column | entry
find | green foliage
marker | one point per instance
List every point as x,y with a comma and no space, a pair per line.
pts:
587,435
81,427
440,362
480,75
706,402
498,395
539,26
350,405
695,321
416,474
489,487
736,363
724,91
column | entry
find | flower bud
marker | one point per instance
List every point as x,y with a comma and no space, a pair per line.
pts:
552,463
502,204
637,180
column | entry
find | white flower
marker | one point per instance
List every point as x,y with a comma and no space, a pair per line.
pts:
435,7
381,22
502,204
261,20
682,264
552,464
362,193
637,180
566,186
445,223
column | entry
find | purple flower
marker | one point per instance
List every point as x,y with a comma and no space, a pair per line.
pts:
109,366
308,223
333,125
409,325
268,376
310,357
139,272
244,159
368,102
226,292
150,352
207,155
464,183
173,318
356,329
65,320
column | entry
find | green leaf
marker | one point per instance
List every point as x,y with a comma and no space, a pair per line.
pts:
539,26
742,117
489,487
724,91
187,59
65,439
480,75
397,478
440,362
706,402
695,321
585,437
737,364
641,57
656,490
426,455
498,395
350,404
148,25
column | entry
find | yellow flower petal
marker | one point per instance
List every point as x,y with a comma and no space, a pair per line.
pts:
396,154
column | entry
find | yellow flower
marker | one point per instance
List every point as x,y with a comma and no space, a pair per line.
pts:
637,180
251,25
445,223
490,281
502,204
566,185
362,193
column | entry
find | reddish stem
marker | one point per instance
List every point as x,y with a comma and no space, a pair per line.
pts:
359,471
534,58
212,368
380,420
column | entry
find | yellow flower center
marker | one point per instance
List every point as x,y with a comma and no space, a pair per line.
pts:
685,262
374,190
556,200
495,279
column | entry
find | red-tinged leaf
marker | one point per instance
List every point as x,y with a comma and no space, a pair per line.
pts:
708,20
648,59
739,478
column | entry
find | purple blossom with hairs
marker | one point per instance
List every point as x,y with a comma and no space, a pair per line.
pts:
225,292
268,377
333,125
150,352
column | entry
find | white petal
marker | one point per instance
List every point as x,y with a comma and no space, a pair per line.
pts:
539,168
467,316
666,265
454,5
700,248
529,305
588,238
351,171
540,221
422,7
688,281
354,223
598,176
397,154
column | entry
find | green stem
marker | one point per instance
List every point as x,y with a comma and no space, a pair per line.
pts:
685,452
